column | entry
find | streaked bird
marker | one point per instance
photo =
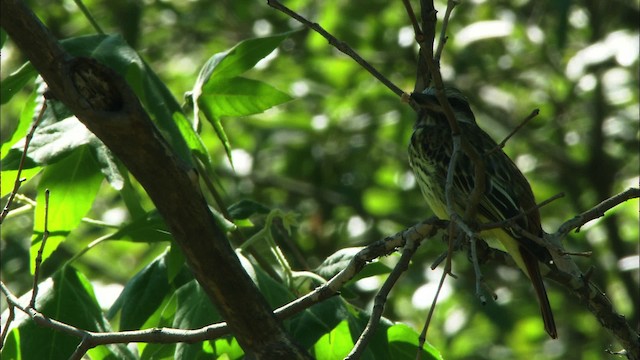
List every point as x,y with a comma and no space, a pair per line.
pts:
507,192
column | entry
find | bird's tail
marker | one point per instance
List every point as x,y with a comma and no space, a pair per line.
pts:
533,269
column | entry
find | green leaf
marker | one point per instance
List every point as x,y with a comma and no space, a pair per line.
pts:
16,81
236,97
334,345
194,142
244,209
336,262
51,143
73,184
108,163
8,178
67,297
162,317
148,228
24,124
274,292
403,341
224,349
313,323
241,57
175,261
223,68
142,295
239,96
53,140
194,311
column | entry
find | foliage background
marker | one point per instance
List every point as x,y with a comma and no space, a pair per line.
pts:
336,155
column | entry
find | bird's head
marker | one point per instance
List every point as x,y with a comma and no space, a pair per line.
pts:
431,109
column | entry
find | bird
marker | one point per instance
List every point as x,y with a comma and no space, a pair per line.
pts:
507,193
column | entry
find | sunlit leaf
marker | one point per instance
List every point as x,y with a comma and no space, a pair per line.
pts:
24,124
16,81
334,345
240,97
219,70
73,183
142,295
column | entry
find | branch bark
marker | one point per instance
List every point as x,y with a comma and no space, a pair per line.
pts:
106,105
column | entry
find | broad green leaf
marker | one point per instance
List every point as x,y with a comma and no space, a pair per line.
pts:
148,228
244,209
236,97
217,126
162,317
334,345
73,183
175,261
130,196
50,143
16,81
26,119
274,292
231,63
67,297
403,341
108,163
224,349
8,178
142,295
241,57
11,348
194,311
194,142
313,323
239,96
223,68
336,262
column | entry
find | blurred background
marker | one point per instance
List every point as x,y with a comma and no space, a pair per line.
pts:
336,155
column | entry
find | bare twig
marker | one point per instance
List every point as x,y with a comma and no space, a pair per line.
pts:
408,251
338,44
38,261
412,18
423,334
7,324
524,122
597,211
477,271
443,32
19,181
